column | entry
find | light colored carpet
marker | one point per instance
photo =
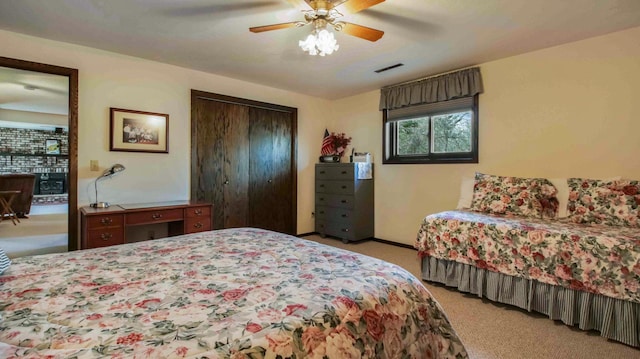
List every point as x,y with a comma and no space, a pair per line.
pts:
490,330
38,234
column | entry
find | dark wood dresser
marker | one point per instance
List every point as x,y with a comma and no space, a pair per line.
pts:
103,227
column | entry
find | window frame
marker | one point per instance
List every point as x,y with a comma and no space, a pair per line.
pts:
390,135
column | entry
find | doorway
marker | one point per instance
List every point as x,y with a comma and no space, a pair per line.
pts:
52,175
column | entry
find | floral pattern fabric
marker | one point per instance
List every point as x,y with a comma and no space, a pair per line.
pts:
613,203
236,293
593,258
529,197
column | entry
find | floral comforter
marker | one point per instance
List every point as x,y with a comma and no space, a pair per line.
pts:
594,258
236,293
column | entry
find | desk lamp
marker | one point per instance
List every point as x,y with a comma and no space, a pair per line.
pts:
106,174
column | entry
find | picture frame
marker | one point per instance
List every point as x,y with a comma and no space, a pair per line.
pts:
138,131
52,147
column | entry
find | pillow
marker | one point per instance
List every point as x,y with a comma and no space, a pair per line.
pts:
5,262
466,193
612,203
529,197
563,194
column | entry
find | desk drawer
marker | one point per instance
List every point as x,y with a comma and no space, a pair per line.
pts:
195,212
105,237
155,216
105,221
194,225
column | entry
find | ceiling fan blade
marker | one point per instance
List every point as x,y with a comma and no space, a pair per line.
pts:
300,4
360,31
354,6
285,25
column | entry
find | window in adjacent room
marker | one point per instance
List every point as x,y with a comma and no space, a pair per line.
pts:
441,132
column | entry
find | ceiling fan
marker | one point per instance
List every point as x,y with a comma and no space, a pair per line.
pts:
323,13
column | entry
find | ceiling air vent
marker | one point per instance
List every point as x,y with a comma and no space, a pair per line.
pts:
388,68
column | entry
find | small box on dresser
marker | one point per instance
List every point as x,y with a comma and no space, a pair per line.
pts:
344,202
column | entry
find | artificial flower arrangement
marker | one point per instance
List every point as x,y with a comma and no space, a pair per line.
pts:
339,141
333,146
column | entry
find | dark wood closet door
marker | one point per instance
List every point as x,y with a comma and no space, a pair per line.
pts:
243,160
221,165
270,170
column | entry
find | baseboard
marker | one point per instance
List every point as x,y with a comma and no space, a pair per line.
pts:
403,245
306,234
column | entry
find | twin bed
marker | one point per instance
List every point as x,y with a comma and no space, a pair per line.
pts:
582,269
235,293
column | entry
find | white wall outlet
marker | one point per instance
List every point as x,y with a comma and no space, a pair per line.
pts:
93,165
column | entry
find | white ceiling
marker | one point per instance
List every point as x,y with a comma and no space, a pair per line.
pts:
22,90
427,36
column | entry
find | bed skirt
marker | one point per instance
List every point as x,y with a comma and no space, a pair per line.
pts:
615,319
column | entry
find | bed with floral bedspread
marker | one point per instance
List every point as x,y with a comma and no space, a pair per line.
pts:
579,273
236,293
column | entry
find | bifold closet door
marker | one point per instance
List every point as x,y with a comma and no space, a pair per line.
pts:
270,170
243,161
221,163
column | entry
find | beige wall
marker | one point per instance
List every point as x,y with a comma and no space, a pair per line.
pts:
564,111
112,80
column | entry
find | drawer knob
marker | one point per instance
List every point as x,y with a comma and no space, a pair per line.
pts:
321,212
344,201
344,215
270,181
198,212
106,236
197,225
226,182
345,229
344,187
156,216
321,185
344,172
321,172
106,221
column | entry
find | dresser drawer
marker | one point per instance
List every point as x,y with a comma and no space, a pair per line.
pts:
333,172
334,200
333,214
193,225
105,221
340,230
195,212
155,216
105,237
337,187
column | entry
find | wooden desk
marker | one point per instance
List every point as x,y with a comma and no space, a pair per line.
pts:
103,227
6,198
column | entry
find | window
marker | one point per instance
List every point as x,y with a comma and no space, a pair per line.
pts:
441,132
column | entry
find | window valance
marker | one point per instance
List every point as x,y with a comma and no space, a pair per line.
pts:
467,82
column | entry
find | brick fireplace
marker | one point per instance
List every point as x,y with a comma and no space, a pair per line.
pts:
23,151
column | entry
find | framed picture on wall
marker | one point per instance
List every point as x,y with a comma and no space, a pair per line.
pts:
52,147
138,131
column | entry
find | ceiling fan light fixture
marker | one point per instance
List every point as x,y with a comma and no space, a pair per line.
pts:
320,42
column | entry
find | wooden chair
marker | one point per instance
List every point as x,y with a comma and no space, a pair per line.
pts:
23,182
